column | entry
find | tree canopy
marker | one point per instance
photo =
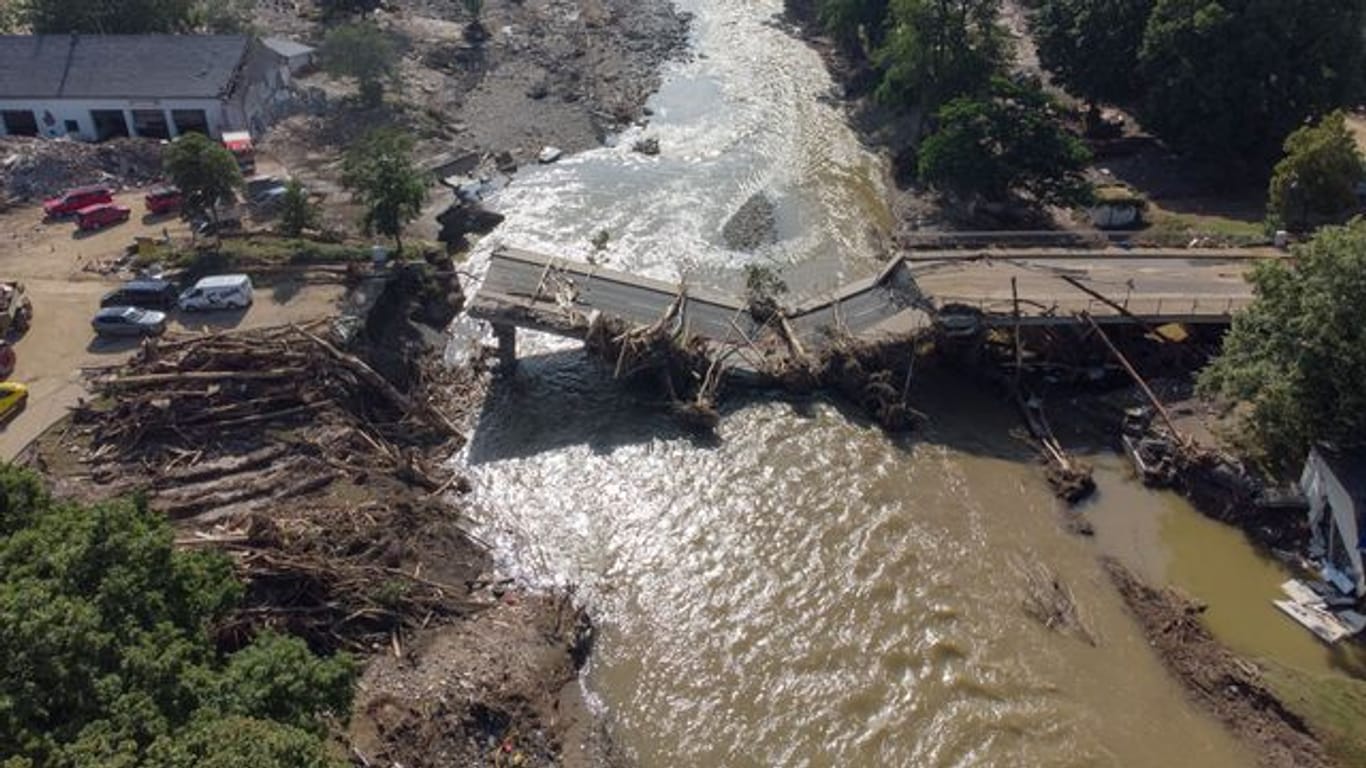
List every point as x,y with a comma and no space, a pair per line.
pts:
1296,358
204,170
297,212
1227,80
1009,142
130,17
938,50
362,52
108,652
1091,46
1315,183
380,173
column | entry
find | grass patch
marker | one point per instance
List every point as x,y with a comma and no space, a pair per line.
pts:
1169,228
256,251
1334,706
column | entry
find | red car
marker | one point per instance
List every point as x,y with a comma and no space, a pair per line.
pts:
74,200
163,200
102,215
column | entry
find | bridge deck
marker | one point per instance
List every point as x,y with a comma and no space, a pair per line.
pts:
544,293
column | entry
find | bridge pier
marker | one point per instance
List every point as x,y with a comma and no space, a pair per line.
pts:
507,346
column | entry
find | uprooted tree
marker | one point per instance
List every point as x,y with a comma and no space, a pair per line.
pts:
1294,361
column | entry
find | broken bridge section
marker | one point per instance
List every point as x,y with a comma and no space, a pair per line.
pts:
954,289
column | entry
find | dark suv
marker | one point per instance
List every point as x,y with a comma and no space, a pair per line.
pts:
146,294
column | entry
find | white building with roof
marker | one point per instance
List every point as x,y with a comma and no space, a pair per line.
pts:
97,87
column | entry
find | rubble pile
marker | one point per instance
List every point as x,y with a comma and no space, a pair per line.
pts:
33,168
316,473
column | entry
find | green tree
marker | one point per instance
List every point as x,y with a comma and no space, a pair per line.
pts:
1011,142
856,25
297,212
1227,80
1315,183
362,52
106,17
1296,358
380,173
1091,46
205,171
938,50
223,17
108,650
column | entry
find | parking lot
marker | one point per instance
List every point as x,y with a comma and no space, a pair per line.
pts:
60,270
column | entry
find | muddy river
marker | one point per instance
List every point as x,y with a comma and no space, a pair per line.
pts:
802,591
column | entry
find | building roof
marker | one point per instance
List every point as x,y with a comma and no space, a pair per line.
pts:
286,48
1349,467
119,66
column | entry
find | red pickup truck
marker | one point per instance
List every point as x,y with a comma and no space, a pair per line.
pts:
101,216
73,200
163,200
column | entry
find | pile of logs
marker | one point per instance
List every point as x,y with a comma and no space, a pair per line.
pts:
318,475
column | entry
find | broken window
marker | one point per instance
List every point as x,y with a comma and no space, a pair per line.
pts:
187,120
109,123
20,122
151,123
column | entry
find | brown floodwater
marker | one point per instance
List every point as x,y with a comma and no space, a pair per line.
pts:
802,590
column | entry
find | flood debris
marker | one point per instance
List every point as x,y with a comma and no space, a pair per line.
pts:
1049,601
1228,687
316,474
664,352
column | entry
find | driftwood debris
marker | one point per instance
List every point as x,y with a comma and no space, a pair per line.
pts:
317,474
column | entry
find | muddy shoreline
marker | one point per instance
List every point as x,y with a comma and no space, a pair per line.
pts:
1224,685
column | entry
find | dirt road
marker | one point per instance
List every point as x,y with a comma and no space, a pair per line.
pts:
57,269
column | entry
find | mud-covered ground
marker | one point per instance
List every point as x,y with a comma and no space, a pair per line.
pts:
551,73
1226,686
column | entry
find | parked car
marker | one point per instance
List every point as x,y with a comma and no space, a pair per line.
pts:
13,398
73,200
258,186
163,200
218,292
100,216
7,359
144,294
229,220
129,321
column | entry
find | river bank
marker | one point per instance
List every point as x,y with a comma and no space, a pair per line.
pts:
562,74
317,476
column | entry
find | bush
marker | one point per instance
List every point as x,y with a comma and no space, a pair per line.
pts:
1316,182
108,653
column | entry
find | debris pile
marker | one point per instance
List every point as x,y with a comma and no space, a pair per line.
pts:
32,168
684,370
297,457
875,376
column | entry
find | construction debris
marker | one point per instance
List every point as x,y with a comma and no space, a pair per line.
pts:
35,168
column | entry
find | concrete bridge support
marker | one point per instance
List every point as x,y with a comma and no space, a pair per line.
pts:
507,346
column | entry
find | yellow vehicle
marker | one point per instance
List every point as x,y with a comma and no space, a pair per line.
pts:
13,398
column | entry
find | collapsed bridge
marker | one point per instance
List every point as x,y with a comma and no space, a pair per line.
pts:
959,291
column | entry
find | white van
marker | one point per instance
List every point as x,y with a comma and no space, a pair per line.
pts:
217,292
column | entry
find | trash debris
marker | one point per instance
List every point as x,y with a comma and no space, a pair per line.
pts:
34,168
